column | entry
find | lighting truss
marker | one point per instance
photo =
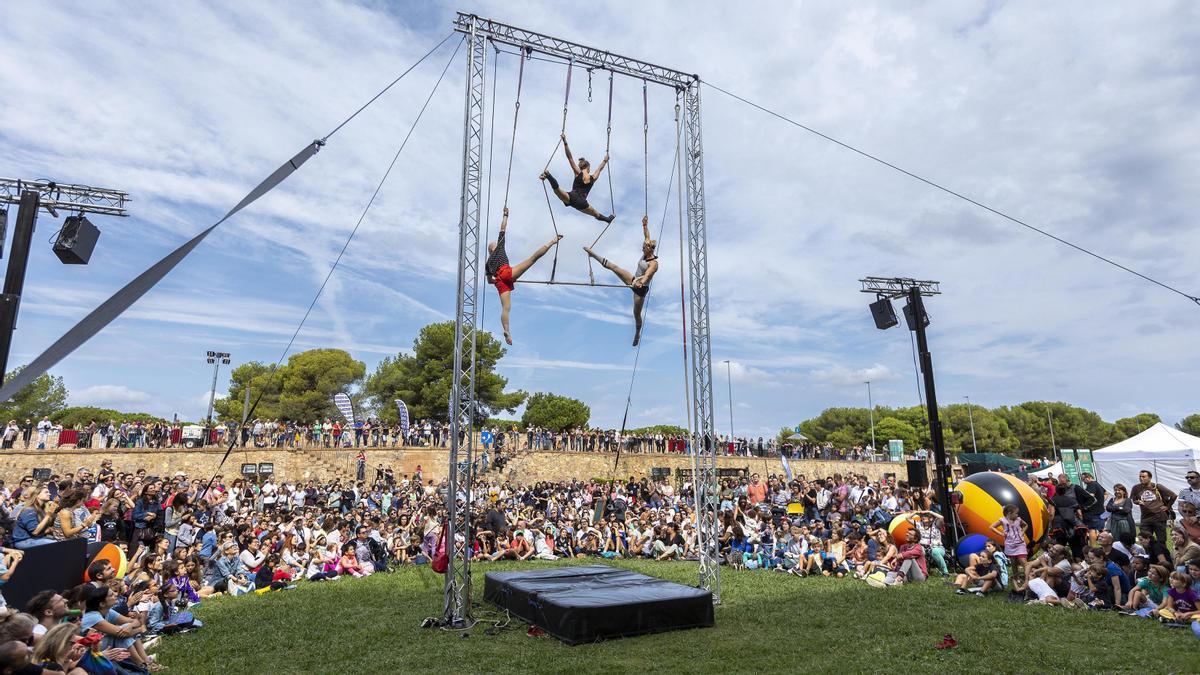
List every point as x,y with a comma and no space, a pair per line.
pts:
70,198
897,287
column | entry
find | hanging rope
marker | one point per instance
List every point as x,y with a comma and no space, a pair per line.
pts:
646,148
512,146
612,202
487,232
646,307
545,190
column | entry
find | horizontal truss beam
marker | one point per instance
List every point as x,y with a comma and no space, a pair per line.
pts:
66,197
588,57
897,287
569,283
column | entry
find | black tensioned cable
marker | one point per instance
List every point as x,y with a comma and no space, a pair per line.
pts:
275,368
910,174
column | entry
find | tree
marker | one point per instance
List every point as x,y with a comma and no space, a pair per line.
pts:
1189,425
891,428
301,390
664,429
1128,427
81,416
257,376
555,413
45,396
991,431
423,379
311,378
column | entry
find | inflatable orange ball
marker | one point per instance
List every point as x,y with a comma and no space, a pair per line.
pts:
983,497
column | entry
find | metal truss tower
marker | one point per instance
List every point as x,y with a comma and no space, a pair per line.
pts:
479,32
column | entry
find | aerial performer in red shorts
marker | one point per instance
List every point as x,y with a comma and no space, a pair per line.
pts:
581,186
504,277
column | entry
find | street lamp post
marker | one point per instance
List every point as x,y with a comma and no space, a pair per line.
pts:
871,415
215,358
971,419
729,383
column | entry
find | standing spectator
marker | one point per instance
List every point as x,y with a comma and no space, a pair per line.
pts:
26,431
1156,502
1191,493
10,435
1093,515
43,430
1120,513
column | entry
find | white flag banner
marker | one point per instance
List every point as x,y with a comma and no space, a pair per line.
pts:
342,402
403,418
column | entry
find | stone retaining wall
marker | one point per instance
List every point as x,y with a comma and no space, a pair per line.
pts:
324,464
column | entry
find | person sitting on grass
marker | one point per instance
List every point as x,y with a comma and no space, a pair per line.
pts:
119,632
517,549
1149,592
349,564
929,526
57,651
1182,603
163,617
981,577
912,560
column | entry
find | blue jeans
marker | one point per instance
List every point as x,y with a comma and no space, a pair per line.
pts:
34,541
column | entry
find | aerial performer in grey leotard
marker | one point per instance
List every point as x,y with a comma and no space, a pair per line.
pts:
647,265
503,277
581,186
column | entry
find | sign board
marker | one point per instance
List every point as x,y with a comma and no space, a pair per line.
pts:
249,469
797,429
485,437
266,467
1070,467
895,450
1085,463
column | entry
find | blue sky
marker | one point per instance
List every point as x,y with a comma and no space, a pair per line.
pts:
1077,117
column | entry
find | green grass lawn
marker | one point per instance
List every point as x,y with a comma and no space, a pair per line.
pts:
767,622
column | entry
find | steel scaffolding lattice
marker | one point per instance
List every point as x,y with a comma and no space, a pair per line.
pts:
702,400
457,610
478,31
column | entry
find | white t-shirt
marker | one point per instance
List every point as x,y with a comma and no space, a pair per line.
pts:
268,493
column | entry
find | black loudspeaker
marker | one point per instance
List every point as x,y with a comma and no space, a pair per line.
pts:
918,475
3,227
910,319
883,313
59,566
76,241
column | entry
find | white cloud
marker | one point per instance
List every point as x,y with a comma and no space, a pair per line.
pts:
114,396
843,376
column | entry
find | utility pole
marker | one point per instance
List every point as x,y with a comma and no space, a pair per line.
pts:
871,415
1053,445
34,195
885,289
217,359
971,418
729,383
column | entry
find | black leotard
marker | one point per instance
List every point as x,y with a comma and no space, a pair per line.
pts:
497,259
581,188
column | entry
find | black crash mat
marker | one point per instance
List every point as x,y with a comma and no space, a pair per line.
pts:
596,602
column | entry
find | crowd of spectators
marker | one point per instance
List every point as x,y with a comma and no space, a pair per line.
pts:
187,541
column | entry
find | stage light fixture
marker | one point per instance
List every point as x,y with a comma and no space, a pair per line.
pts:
76,240
908,317
884,314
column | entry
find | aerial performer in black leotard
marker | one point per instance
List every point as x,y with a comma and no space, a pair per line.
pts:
581,186
504,277
647,265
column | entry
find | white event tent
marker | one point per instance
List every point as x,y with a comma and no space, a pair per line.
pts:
1165,451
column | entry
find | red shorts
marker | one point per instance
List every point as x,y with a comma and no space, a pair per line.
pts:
503,280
